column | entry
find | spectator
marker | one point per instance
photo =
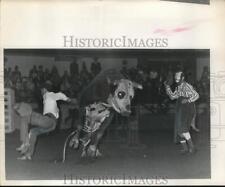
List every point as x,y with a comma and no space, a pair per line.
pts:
205,75
55,79
169,76
7,78
154,78
95,67
34,75
124,70
40,74
74,68
75,85
18,89
16,75
65,83
85,76
29,90
47,75
84,69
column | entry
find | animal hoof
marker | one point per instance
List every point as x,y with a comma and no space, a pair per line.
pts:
91,151
84,154
74,143
98,154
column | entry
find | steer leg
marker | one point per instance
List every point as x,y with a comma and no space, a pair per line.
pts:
92,148
74,142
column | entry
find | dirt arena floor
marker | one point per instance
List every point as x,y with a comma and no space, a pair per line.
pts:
157,155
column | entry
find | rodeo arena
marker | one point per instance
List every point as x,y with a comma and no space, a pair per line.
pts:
113,113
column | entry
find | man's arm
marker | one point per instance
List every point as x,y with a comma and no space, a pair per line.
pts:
62,96
194,94
172,95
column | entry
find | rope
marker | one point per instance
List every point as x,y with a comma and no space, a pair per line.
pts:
65,144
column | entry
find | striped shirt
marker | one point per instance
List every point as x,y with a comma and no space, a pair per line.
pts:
183,90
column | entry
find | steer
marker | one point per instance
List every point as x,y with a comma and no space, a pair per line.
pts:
108,93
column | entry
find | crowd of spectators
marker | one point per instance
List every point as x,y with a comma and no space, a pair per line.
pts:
152,79
73,81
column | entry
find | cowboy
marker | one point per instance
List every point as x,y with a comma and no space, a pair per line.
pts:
185,111
44,123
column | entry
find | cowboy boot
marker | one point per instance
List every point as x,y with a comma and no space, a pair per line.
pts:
25,157
194,128
20,148
191,147
25,149
184,147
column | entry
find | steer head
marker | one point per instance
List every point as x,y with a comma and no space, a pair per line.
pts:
122,94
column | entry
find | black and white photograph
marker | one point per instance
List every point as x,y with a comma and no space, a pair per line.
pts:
108,92
123,114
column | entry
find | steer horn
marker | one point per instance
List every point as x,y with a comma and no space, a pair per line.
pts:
136,85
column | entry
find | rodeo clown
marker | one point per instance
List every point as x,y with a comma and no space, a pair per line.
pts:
43,123
185,111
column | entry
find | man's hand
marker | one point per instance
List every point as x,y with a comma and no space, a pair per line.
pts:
184,101
166,84
73,101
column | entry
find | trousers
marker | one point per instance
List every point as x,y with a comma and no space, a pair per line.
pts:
40,124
